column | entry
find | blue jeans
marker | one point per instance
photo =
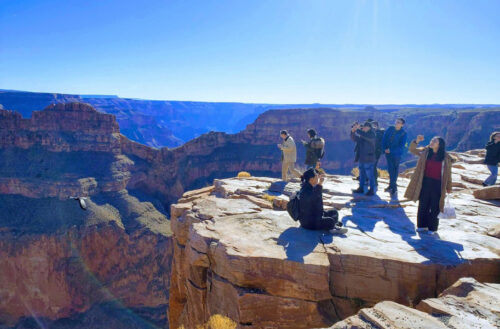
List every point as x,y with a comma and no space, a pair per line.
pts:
491,180
393,169
366,171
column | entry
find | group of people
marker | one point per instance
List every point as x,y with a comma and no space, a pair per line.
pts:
429,184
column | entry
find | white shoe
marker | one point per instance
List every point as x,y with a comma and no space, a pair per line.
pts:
422,229
434,234
338,230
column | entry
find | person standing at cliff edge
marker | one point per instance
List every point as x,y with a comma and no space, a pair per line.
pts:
288,156
315,149
365,153
379,133
393,144
492,158
430,182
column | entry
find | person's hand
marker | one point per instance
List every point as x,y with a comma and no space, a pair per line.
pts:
420,138
387,151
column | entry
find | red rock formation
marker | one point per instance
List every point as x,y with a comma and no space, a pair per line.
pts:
56,260
236,257
465,305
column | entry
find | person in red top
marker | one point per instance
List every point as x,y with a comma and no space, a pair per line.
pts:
428,206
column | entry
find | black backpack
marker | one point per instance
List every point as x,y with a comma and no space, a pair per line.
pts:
293,206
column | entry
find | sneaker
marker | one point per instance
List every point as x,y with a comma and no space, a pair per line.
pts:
370,193
358,190
422,229
338,230
434,234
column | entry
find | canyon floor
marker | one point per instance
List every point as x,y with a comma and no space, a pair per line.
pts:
238,254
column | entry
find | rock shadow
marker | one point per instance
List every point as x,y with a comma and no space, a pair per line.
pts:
367,212
299,242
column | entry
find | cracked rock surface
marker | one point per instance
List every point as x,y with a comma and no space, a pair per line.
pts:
238,253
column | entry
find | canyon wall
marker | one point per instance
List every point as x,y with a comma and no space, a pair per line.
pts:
62,266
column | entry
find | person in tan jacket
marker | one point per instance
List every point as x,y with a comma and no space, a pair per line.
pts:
430,182
288,156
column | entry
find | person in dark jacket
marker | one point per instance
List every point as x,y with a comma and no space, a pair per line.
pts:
365,153
492,158
393,144
315,149
379,134
311,213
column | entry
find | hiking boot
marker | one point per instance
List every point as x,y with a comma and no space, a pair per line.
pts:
338,230
370,193
358,190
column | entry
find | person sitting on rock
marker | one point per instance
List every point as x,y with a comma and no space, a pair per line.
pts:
430,182
288,156
315,149
492,158
311,213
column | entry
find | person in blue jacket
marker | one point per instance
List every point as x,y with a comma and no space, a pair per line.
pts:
393,144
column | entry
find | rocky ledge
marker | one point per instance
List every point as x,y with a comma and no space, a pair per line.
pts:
238,254
467,304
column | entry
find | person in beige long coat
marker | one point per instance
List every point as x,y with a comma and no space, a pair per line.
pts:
430,182
289,156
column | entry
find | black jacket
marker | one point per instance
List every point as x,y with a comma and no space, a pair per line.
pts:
378,145
311,205
492,153
365,146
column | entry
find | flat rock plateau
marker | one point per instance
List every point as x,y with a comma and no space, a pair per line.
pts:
238,254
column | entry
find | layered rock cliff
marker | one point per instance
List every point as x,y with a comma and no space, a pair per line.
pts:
169,172
467,304
60,265
238,254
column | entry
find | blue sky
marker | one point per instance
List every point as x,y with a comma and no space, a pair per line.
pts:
276,51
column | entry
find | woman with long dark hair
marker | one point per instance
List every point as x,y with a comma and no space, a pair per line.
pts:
492,158
311,213
430,182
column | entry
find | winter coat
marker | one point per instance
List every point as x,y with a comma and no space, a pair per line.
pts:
311,205
315,150
378,145
394,140
365,145
415,185
492,153
289,150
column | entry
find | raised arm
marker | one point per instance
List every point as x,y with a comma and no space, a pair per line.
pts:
413,146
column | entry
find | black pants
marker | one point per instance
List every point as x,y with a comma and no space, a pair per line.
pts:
327,221
428,205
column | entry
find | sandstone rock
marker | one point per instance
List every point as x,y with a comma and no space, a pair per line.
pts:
467,304
488,193
257,267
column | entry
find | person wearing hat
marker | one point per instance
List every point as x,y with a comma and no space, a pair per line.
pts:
365,139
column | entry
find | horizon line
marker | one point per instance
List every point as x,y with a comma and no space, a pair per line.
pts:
103,96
